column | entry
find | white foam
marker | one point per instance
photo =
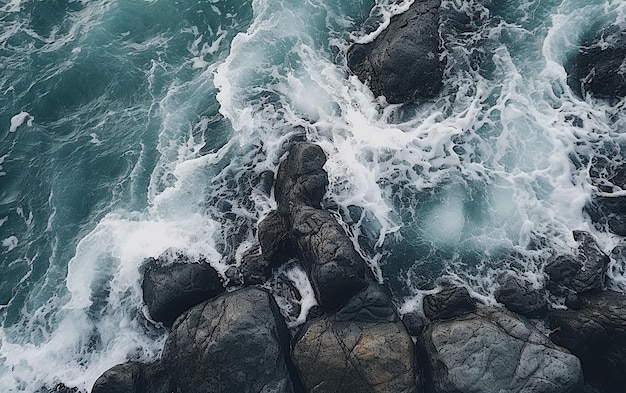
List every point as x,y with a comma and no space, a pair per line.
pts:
10,242
19,119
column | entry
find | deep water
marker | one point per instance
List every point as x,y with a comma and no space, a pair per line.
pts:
132,127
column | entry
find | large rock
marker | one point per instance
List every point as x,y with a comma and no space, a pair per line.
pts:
403,63
585,272
449,303
169,290
492,350
597,335
521,298
600,67
362,348
237,342
134,377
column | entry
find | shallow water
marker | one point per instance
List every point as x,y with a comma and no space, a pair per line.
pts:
129,128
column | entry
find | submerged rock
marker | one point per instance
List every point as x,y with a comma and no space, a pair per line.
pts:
449,303
237,342
491,350
609,211
597,335
582,273
600,66
169,290
134,377
521,298
362,348
403,63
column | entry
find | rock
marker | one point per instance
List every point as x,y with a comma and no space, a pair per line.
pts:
134,377
582,273
521,298
600,67
449,303
169,290
255,268
237,342
335,269
491,350
609,211
403,63
274,238
414,323
362,348
59,388
597,335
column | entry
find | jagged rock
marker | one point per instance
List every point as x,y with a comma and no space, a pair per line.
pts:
255,268
609,211
335,269
491,350
600,67
362,348
403,63
274,238
237,342
597,335
582,273
169,290
521,298
60,388
449,303
134,377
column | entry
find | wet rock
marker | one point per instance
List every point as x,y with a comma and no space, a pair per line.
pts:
60,388
521,298
609,211
582,273
403,63
449,303
274,238
237,342
169,290
600,66
134,377
255,268
414,323
362,348
597,335
491,350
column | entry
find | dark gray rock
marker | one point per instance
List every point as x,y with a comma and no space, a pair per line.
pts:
255,268
237,342
597,335
169,290
609,211
335,269
59,388
521,298
600,67
362,348
274,238
414,322
134,377
493,351
585,272
449,303
403,62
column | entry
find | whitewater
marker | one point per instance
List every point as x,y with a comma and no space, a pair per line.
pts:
133,128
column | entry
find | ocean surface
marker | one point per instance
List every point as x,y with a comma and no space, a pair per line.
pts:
130,128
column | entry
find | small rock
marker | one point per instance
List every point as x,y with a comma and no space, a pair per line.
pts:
414,323
521,298
449,303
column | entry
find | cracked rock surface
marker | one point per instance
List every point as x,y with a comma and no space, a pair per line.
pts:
492,350
237,342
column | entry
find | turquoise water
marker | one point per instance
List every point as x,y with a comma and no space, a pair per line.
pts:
129,128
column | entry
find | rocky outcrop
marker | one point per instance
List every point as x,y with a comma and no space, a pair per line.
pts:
581,273
600,66
491,350
449,303
171,289
403,63
302,227
362,348
237,342
521,298
134,377
597,335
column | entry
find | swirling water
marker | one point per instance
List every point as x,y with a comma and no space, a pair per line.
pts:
129,128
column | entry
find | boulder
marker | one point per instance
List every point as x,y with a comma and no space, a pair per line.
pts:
600,66
449,303
492,350
362,348
134,377
521,298
597,335
169,290
274,238
237,342
403,63
582,273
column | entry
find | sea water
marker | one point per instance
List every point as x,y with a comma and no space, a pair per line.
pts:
133,128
